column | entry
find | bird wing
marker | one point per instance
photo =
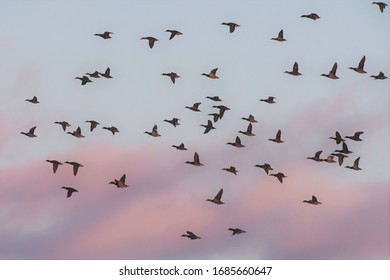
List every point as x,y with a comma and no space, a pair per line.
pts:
238,140
196,158
361,63
107,71
356,162
280,35
334,69
345,147
75,169
32,129
172,78
317,154
249,129
278,134
123,178
151,42
232,27
314,199
155,128
214,71
219,195
295,67
78,130
55,166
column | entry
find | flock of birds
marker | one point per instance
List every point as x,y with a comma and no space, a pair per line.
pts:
216,116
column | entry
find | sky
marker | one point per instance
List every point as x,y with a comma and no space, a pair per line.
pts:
44,45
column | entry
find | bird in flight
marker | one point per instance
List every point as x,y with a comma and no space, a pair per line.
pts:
105,35
55,164
172,75
360,68
313,201
154,132
214,98
344,150
217,198
212,74
295,71
267,167
30,133
180,147
190,235
381,5
84,80
95,75
236,231
248,131
355,165
311,16
121,183
340,157
151,40
194,107
280,37
208,127
174,122
250,119
94,124
75,165
222,110
279,175
237,143
232,26
277,138
33,100
231,169
113,129
380,76
338,138
332,72
106,74
316,156
76,133
269,100
196,161
70,191
356,136
64,124
173,33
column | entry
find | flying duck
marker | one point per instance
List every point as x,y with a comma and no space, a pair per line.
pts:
113,129
316,157
33,100
280,37
380,76
231,169
154,132
236,231
196,161
64,124
76,166
208,127
212,74
191,235
311,16
248,131
105,35
172,75
106,74
338,138
84,80
356,136
214,98
173,33
77,133
295,71
340,157
313,201
344,150
70,191
151,40
94,124
269,100
180,147
55,164
277,138
120,183
232,26
332,72
174,121
30,133
360,67
194,107
267,167
381,5
279,175
217,198
237,143
355,165
250,119
94,74
222,109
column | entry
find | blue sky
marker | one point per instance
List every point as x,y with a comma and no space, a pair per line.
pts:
45,45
